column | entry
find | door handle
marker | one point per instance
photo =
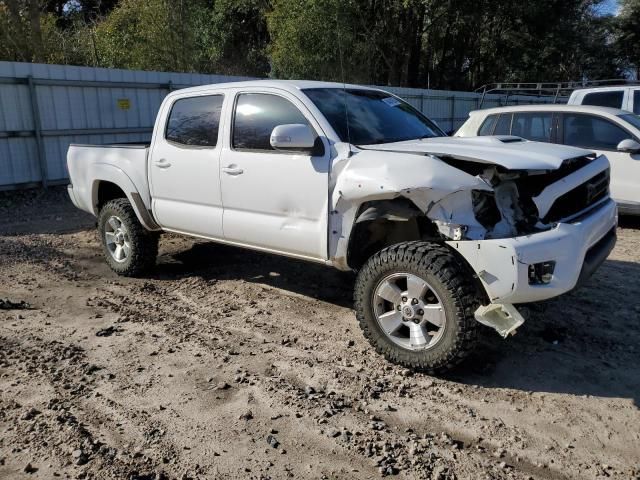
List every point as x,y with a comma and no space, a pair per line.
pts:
232,169
162,163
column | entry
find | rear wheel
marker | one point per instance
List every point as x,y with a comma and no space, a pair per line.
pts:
415,302
129,248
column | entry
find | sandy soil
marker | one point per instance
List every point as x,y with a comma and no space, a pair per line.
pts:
225,363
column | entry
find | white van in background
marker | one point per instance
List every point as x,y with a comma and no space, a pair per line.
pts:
623,97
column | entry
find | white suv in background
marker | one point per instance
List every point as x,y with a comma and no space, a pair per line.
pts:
623,97
608,131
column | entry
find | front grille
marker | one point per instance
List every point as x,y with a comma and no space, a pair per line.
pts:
580,198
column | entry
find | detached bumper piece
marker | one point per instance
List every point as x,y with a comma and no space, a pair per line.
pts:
504,318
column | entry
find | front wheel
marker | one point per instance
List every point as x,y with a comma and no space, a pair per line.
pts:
128,247
415,302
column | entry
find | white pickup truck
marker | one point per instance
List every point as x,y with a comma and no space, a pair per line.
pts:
443,232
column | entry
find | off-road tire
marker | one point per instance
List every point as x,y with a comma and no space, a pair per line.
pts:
144,244
453,283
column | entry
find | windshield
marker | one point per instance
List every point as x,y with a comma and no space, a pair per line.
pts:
374,117
632,119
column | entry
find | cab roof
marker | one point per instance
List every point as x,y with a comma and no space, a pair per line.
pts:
288,85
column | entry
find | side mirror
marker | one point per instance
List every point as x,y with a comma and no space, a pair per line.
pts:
294,137
629,146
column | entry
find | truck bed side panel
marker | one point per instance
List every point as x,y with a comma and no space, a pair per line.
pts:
123,165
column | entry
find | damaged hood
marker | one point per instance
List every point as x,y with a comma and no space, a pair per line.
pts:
513,153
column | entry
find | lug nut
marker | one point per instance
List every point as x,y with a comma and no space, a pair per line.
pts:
416,320
414,301
420,312
404,299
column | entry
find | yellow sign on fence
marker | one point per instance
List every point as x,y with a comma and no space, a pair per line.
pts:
124,104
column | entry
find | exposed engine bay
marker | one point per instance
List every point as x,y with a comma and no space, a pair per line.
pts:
517,202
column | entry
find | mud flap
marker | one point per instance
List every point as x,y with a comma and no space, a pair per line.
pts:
504,318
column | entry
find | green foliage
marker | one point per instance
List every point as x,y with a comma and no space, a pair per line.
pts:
231,36
149,35
308,37
450,44
627,33
50,44
455,44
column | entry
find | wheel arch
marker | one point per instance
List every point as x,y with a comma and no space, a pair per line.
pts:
111,182
380,223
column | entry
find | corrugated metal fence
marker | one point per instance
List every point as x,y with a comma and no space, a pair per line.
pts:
44,108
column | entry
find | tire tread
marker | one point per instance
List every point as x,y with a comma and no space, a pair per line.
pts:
456,279
145,243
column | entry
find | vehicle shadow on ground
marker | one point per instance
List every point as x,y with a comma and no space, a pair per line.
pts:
221,262
628,221
584,343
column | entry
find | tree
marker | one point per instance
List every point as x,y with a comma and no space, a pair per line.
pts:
225,36
36,31
454,44
149,35
25,31
447,44
308,38
627,33
231,38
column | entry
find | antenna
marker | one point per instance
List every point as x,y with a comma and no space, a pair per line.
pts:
344,85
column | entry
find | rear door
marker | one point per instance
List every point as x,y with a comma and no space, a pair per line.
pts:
603,135
274,200
536,126
184,166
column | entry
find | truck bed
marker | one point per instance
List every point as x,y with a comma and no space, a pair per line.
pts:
125,164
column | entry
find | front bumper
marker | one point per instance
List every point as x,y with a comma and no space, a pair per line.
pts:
578,248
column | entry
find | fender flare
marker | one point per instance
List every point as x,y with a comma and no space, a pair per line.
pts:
104,172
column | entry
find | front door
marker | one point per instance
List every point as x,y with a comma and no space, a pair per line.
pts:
184,167
273,200
603,136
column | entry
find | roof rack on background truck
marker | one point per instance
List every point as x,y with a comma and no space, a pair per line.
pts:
556,90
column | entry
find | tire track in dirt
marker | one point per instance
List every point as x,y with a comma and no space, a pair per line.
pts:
220,348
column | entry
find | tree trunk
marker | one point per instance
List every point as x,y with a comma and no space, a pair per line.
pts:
36,32
415,49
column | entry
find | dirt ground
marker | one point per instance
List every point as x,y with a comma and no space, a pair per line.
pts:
226,363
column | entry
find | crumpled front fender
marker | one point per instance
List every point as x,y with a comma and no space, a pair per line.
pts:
440,191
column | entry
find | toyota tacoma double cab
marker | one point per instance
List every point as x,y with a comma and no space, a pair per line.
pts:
444,233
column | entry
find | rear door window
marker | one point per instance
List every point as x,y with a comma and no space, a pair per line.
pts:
534,126
503,127
636,102
604,99
589,131
487,126
195,121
